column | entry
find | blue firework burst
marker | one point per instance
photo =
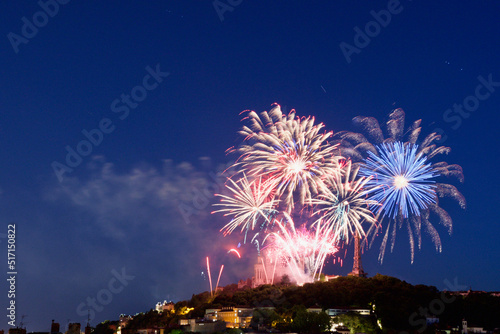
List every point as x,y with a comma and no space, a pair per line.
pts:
400,179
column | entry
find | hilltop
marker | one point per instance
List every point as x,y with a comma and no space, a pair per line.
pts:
394,305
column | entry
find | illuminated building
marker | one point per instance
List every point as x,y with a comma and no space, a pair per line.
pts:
202,326
339,326
234,317
151,331
17,330
268,272
160,307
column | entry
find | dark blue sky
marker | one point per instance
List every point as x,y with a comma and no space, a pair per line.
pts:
120,207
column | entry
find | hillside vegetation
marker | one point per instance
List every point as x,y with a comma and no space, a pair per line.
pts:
395,304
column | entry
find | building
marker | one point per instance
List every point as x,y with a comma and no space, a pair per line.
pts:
202,326
244,283
341,330
88,329
339,326
267,271
315,309
333,312
211,314
160,307
151,331
17,330
123,322
124,319
234,317
54,327
73,328
185,322
466,328
331,277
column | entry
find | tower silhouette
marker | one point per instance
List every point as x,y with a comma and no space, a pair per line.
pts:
357,268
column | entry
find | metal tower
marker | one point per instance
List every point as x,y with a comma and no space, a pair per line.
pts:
357,268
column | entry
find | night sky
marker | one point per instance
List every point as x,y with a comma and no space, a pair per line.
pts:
139,203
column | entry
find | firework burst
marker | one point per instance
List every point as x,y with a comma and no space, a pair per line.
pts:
399,180
290,150
361,146
304,250
342,206
250,205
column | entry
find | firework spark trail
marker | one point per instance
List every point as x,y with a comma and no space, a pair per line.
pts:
302,248
401,182
274,269
342,205
399,179
286,160
235,251
265,272
209,276
287,251
289,150
220,273
328,241
250,203
360,146
256,242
